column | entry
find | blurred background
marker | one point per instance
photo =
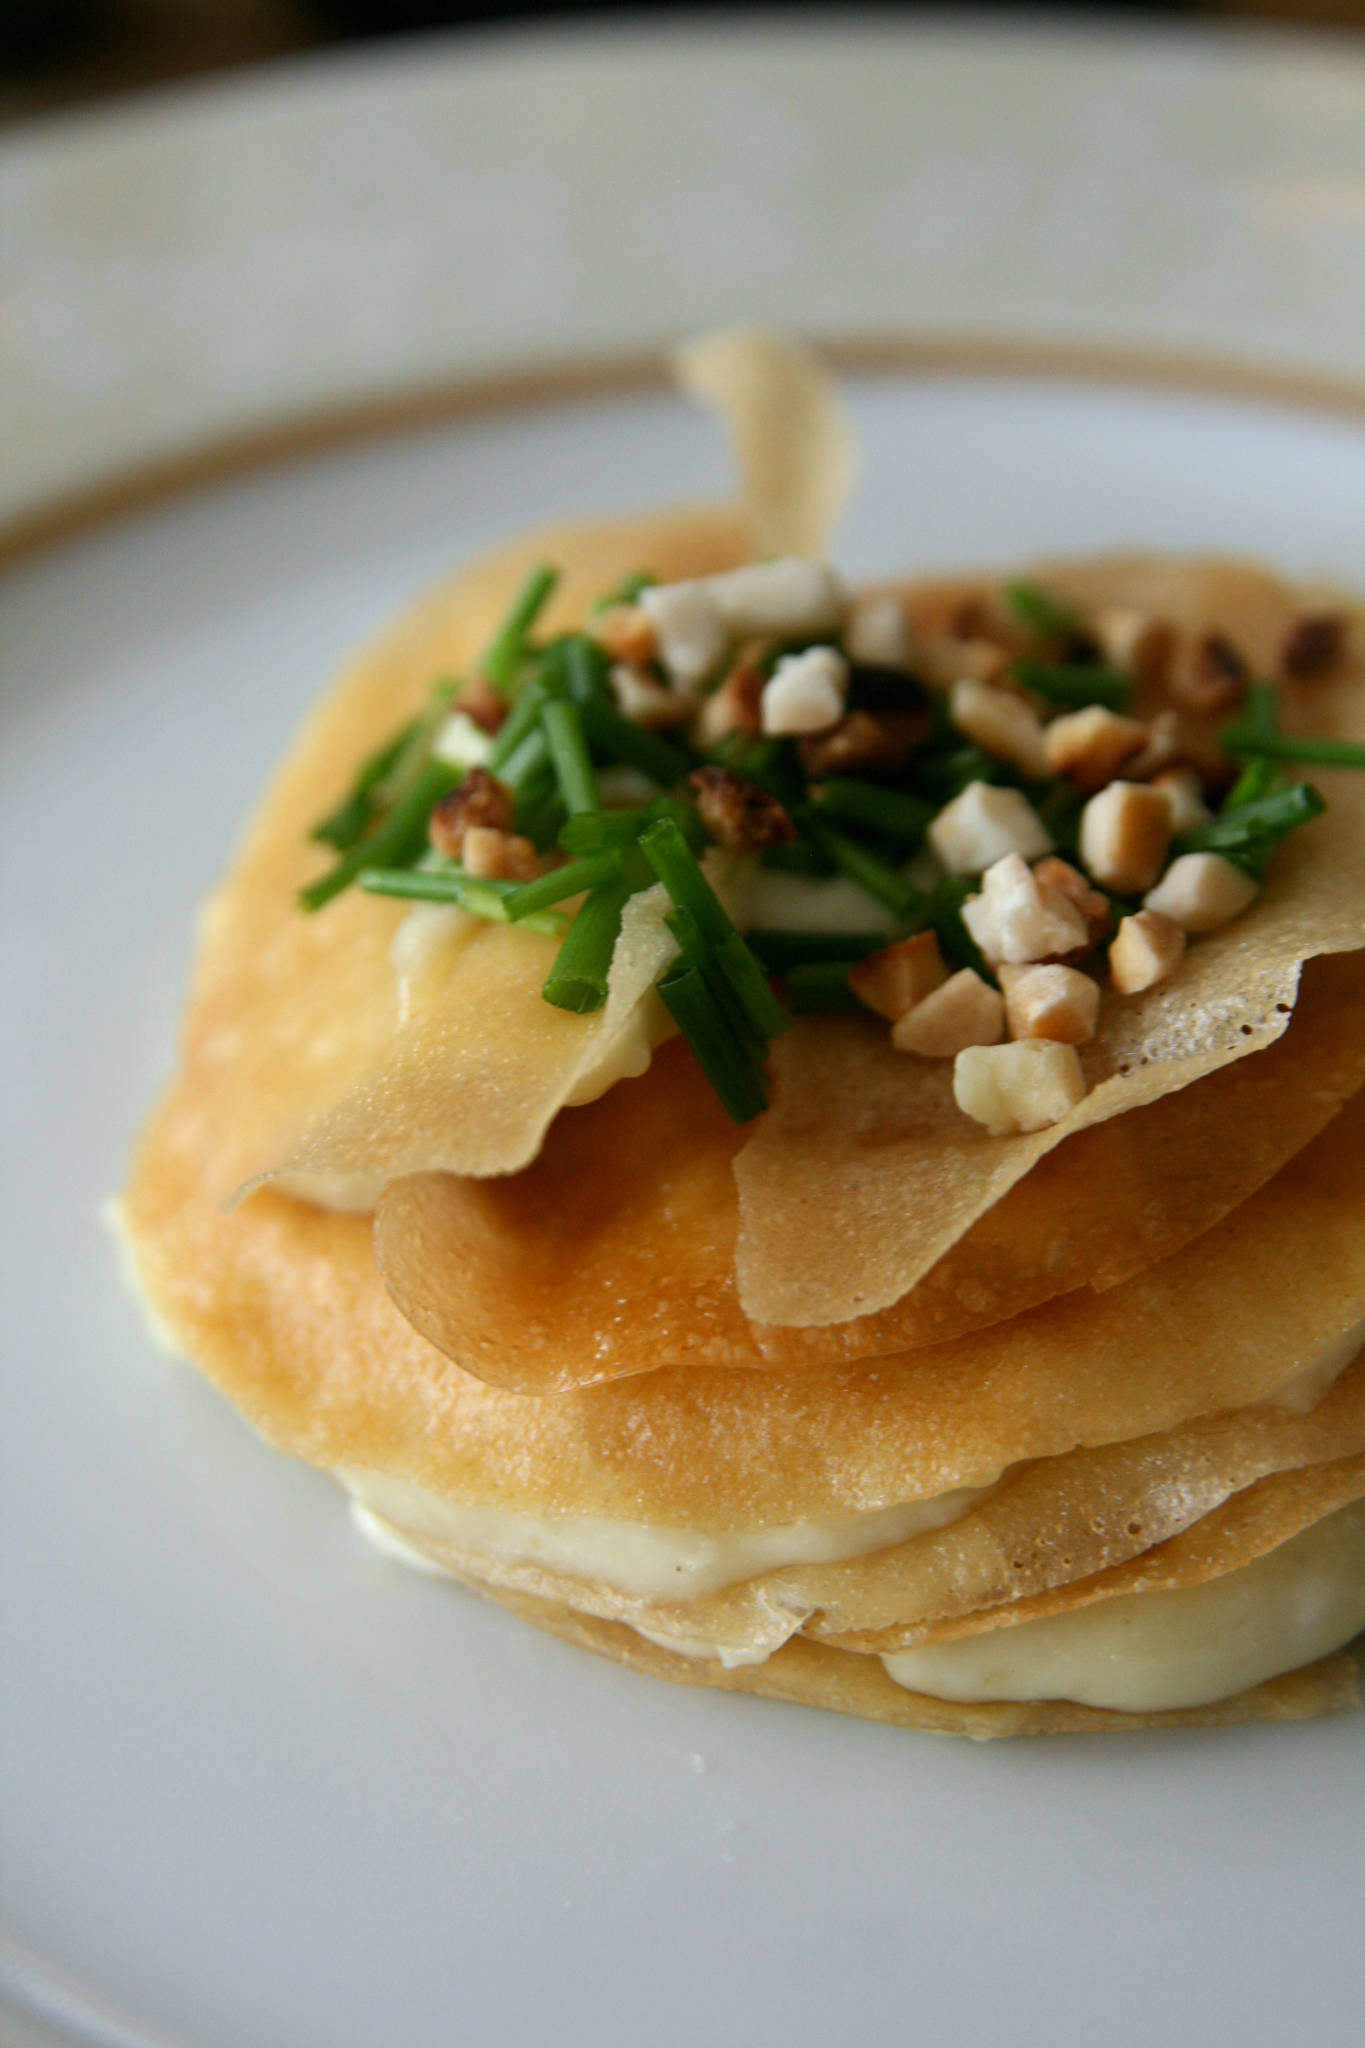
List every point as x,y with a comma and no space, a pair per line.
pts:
61,53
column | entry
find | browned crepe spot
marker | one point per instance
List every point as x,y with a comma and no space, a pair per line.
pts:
283,1306
816,1675
865,1173
529,1285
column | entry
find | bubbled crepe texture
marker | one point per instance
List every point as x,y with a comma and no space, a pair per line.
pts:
1129,1415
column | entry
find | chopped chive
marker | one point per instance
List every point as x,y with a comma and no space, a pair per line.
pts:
1059,808
819,985
941,775
480,894
676,866
562,723
579,875
578,979
626,591
780,951
1283,746
417,747
1261,775
347,825
891,811
584,667
797,859
505,650
521,721
956,943
726,1062
619,739
396,843
733,960
705,931
530,755
868,869
1075,684
1041,612
1250,834
593,831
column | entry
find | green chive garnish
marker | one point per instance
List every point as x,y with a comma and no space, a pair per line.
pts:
1048,616
956,943
892,811
626,591
578,979
618,739
595,831
704,930
725,1061
866,868
504,652
347,825
1250,834
1284,746
942,774
1076,684
572,880
820,985
1261,775
562,723
483,895
676,866
396,843
781,951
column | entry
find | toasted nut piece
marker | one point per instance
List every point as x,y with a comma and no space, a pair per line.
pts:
480,800
1314,644
1059,1003
499,856
894,980
1146,948
1173,742
1138,642
1000,722
626,632
1184,793
1017,918
1021,1087
740,814
805,692
1091,746
964,1011
982,825
734,707
944,660
877,633
1093,905
1125,833
789,596
1201,891
1209,676
878,740
689,629
481,702
645,701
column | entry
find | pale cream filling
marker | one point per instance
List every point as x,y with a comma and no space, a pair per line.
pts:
1145,1652
647,1561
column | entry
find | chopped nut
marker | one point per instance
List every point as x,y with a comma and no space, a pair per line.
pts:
944,660
805,692
734,707
480,800
1314,644
1172,742
739,814
1091,746
877,634
1000,722
1184,793
691,633
980,618
645,701
1125,833
1137,642
982,825
1020,1087
790,596
481,702
1019,919
499,856
1058,1003
1201,891
880,741
963,1011
1209,677
1147,947
894,980
1053,873
626,632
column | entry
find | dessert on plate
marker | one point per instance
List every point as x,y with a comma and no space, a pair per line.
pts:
809,1138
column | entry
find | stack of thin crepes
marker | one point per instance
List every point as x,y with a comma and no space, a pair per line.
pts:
859,1405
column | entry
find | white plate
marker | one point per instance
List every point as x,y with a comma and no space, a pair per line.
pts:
258,1786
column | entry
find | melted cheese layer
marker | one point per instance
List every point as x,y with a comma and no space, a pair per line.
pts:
1145,1652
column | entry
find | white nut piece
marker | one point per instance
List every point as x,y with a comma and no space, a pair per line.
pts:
893,981
1184,793
788,596
499,856
1017,918
1146,948
805,693
689,628
1000,722
644,701
1058,1003
877,633
982,825
1125,835
1091,746
1020,1087
1202,891
965,1011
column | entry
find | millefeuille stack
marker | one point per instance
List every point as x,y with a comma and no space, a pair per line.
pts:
857,1405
